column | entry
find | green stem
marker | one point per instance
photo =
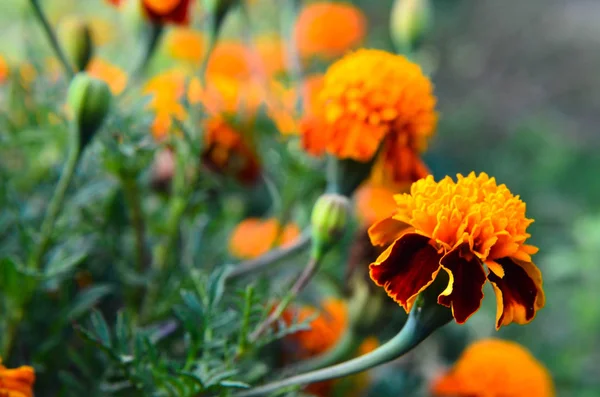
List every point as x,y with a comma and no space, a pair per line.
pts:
39,13
275,255
132,194
35,261
425,317
302,281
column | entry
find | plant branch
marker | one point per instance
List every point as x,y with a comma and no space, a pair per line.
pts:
39,13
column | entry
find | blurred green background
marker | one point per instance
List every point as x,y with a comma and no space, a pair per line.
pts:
519,96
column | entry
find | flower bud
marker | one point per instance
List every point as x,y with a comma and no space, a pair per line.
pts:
76,39
410,22
329,220
89,100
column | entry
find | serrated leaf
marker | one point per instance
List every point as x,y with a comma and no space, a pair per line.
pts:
88,299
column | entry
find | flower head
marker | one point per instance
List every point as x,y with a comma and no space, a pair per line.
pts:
4,70
460,227
373,203
16,382
186,44
328,30
253,237
168,11
510,370
166,90
373,99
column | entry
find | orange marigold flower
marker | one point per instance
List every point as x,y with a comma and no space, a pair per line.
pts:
16,382
229,152
168,11
166,90
328,30
112,75
253,237
186,44
232,59
495,368
4,70
271,53
372,98
459,227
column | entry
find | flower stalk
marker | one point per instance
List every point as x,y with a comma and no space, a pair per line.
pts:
39,13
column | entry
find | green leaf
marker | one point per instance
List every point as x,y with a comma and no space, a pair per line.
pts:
234,384
216,285
101,328
60,265
88,299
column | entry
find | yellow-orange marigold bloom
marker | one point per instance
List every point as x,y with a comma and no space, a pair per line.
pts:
372,98
166,90
460,227
328,30
112,75
16,382
271,53
168,11
495,368
254,236
226,95
4,70
186,44
233,59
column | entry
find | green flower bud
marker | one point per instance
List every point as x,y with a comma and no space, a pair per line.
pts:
75,37
410,21
329,221
89,100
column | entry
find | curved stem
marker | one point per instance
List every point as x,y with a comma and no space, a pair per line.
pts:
301,282
275,255
400,344
35,261
39,13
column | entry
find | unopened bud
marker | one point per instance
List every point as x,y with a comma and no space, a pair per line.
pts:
89,100
410,22
76,38
329,221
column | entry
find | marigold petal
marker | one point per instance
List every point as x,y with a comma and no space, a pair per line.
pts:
386,231
406,268
495,267
518,293
465,288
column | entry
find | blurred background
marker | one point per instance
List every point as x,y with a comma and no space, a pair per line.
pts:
519,96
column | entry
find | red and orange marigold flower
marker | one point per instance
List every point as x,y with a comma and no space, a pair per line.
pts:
327,30
373,99
254,236
164,11
16,382
495,368
459,227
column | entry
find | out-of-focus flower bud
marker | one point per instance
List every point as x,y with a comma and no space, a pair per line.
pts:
163,170
329,221
89,100
75,37
410,22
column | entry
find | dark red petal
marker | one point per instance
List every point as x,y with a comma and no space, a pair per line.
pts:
467,279
516,293
408,266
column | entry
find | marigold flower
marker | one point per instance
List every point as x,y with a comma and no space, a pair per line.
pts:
166,90
328,30
459,227
4,70
373,203
16,382
232,59
271,53
370,99
112,75
509,370
253,237
186,44
168,11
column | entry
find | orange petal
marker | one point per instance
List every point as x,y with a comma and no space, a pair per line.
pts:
386,230
518,293
406,268
465,289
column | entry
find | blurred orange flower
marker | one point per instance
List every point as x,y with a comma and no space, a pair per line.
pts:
16,382
271,53
112,75
495,368
229,152
458,227
372,98
186,44
166,90
254,236
232,59
328,30
4,70
283,102
374,202
164,11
